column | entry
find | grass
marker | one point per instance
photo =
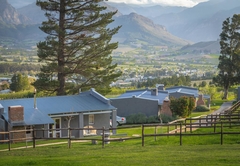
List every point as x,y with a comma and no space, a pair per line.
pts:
196,150
85,154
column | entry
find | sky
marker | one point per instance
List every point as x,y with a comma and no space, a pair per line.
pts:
186,3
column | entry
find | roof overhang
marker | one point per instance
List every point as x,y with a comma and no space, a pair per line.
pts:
75,113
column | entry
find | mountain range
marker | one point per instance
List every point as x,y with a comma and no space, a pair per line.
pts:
155,25
135,28
202,22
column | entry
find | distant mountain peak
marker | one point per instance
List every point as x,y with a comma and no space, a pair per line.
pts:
9,15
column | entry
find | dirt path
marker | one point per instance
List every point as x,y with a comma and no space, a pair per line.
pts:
49,144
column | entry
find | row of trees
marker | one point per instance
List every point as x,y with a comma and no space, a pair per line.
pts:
15,67
170,81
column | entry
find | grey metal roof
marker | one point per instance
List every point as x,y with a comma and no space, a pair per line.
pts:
31,117
145,94
183,90
84,102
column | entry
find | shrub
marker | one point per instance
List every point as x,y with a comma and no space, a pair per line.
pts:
201,108
182,106
153,119
167,118
141,119
136,118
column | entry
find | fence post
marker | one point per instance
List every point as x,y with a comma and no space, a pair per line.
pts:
33,135
221,133
155,133
191,125
200,122
185,125
180,134
230,124
214,128
142,135
9,140
211,119
69,138
168,128
175,128
103,139
206,120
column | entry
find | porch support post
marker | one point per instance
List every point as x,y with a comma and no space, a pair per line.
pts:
81,125
114,121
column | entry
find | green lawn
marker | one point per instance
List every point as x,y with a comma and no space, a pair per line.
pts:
196,150
86,154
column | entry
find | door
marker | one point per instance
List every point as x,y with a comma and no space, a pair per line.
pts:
55,129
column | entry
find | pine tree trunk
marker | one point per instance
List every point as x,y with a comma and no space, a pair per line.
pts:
61,76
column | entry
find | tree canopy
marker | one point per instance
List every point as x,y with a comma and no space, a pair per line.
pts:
19,82
229,60
77,48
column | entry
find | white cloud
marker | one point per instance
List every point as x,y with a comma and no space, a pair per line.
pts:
187,3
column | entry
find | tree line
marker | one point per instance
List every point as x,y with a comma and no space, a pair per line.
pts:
16,67
169,81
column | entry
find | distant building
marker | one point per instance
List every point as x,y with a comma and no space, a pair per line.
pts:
152,102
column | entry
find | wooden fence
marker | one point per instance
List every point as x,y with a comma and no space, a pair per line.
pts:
180,127
183,129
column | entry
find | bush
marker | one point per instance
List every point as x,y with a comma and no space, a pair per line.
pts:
182,106
201,108
167,118
153,119
136,118
141,119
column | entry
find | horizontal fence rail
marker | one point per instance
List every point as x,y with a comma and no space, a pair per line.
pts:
180,128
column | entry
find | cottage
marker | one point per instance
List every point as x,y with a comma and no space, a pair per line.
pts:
179,91
84,109
153,102
145,101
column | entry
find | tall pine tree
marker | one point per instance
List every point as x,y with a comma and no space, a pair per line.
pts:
229,60
77,47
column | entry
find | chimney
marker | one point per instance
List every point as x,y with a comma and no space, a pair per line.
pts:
166,107
35,100
16,113
200,100
154,92
160,86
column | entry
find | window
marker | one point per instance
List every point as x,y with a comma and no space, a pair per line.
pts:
91,119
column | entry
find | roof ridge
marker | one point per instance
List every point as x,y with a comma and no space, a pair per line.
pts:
99,96
186,87
136,90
